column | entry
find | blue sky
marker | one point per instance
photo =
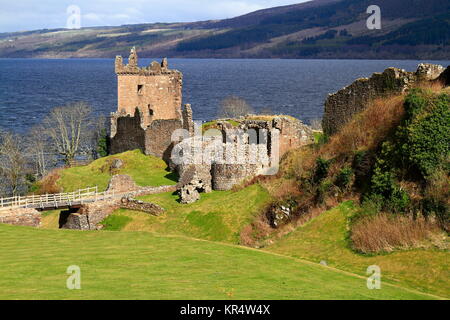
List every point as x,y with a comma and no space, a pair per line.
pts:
20,15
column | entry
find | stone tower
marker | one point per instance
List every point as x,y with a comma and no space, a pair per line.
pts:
155,90
149,107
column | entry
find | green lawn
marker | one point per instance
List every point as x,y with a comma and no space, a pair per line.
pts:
324,238
145,170
217,216
142,265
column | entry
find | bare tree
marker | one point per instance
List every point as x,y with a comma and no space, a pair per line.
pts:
234,107
68,129
266,111
38,150
12,164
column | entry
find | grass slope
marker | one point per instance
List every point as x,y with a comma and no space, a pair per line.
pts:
140,265
217,216
145,170
325,238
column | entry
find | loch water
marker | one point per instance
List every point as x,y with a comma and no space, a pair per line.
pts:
29,88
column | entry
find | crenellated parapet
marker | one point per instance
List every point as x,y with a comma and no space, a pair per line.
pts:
154,68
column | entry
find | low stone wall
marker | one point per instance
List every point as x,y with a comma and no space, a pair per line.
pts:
91,214
126,133
21,217
122,183
137,205
145,191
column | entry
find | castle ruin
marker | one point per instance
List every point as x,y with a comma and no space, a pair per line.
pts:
150,110
242,148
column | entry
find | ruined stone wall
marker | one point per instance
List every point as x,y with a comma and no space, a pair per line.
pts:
341,106
230,172
444,78
145,191
188,122
156,96
292,134
225,176
122,183
98,211
128,134
158,138
194,179
247,152
74,221
154,140
21,217
137,205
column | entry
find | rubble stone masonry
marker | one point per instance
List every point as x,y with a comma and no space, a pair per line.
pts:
21,217
341,106
155,90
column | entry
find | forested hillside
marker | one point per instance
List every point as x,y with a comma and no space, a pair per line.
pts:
415,29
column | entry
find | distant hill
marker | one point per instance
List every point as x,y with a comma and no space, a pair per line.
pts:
411,29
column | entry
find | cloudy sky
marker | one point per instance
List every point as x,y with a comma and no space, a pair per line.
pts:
19,15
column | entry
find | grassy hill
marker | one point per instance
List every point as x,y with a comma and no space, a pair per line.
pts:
415,29
326,238
217,216
391,159
145,171
141,265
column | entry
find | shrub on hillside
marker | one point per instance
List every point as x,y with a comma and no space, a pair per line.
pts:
437,197
416,150
362,164
384,186
424,139
323,189
385,233
394,155
103,144
344,178
321,170
48,184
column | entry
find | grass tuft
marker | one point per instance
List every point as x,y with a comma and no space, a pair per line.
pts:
386,233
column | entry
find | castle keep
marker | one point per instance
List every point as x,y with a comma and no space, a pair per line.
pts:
154,90
148,108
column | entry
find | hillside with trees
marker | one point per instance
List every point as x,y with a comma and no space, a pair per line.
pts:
410,29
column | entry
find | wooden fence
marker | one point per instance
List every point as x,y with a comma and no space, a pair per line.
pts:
56,200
